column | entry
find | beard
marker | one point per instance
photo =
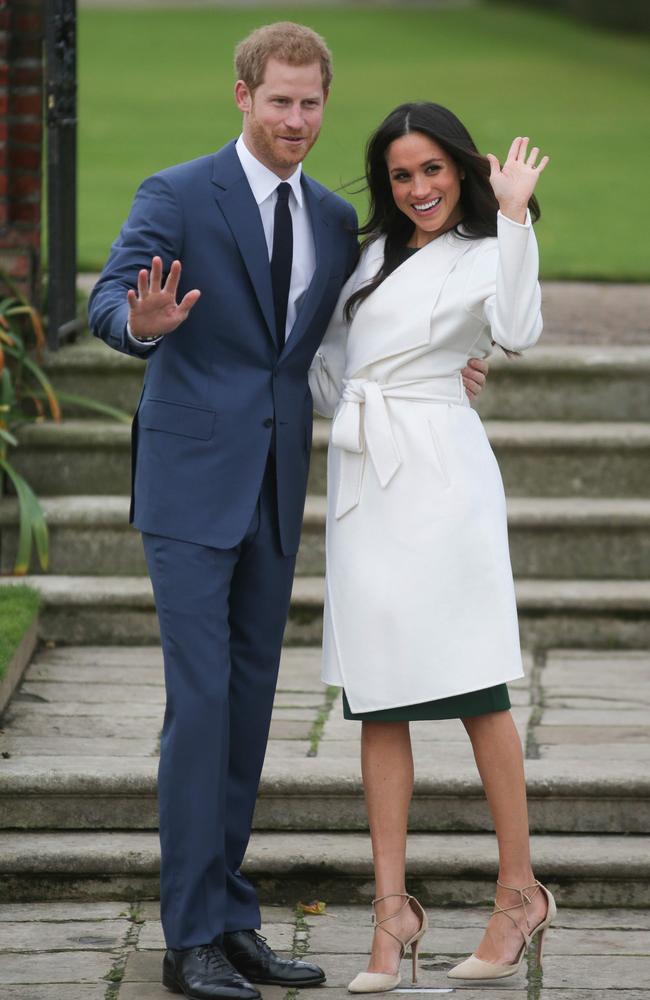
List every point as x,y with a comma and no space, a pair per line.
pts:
272,151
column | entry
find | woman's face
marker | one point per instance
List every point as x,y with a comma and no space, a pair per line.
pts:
425,183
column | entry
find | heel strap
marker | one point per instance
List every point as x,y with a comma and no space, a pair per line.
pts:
524,898
379,924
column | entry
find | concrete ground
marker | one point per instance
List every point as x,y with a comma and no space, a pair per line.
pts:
113,951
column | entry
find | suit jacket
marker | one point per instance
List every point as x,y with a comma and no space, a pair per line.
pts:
215,387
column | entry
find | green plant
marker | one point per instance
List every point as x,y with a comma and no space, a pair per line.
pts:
26,396
24,387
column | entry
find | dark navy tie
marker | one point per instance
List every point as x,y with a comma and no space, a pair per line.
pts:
281,260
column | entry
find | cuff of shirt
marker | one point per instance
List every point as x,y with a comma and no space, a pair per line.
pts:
141,344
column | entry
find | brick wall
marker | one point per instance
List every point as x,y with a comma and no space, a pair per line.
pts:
21,136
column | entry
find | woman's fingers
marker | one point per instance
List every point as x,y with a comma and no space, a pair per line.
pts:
523,149
514,148
495,166
534,153
542,163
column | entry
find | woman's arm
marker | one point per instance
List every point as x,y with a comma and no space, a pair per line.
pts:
512,305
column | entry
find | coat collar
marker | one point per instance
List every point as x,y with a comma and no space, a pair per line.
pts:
396,317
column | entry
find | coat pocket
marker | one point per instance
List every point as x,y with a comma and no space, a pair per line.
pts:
176,418
439,453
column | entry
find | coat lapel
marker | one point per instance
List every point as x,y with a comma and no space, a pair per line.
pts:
396,317
323,247
242,214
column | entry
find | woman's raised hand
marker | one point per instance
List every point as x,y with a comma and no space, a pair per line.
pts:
153,311
514,183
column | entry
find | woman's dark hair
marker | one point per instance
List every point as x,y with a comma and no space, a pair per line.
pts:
477,200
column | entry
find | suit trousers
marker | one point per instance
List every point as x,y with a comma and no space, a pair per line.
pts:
222,614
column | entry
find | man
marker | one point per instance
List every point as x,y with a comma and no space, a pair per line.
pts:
221,443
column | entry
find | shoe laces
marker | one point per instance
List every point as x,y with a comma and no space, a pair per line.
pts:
261,941
213,957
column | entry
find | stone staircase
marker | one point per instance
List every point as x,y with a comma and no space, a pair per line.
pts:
569,425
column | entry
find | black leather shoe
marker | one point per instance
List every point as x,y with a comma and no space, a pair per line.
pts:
251,955
204,973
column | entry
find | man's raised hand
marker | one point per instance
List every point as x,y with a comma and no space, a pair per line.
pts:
153,310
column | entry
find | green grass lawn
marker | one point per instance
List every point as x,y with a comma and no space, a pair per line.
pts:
18,606
155,88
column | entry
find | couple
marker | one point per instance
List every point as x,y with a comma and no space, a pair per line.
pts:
238,278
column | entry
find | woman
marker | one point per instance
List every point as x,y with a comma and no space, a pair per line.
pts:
420,614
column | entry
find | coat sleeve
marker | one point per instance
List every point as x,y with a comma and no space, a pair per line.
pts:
505,290
328,367
154,227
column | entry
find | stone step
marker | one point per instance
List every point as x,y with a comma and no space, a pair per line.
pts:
538,458
313,794
458,868
562,538
554,382
572,613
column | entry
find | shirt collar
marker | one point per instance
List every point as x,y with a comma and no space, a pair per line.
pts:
263,181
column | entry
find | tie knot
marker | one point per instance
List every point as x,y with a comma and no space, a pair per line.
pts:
284,191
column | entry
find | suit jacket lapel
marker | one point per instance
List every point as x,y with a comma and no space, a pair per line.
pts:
323,247
241,211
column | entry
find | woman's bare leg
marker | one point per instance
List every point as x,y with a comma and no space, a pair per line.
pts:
387,769
500,761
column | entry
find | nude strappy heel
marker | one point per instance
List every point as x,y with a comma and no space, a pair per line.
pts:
380,982
476,968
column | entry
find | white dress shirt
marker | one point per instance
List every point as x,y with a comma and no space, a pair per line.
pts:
264,184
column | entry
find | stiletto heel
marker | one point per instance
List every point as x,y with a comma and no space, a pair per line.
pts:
477,968
415,947
381,982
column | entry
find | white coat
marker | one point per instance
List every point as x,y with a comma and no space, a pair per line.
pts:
420,599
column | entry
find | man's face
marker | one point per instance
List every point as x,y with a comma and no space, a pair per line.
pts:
283,116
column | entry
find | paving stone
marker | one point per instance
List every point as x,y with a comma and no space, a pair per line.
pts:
78,935
27,723
73,991
634,752
65,911
21,706
594,717
285,749
298,699
62,746
72,673
574,700
82,694
592,735
612,972
583,993
596,941
281,715
290,730
87,967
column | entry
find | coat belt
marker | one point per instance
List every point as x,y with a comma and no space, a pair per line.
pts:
362,423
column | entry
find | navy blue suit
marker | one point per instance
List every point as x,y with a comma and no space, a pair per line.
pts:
221,443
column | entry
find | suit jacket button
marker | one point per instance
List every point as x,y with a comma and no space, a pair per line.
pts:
268,422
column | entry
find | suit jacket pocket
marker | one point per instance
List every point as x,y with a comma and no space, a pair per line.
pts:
176,418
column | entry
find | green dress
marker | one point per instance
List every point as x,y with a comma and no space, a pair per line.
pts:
458,706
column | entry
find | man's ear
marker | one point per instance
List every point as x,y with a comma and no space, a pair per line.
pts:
326,94
243,96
